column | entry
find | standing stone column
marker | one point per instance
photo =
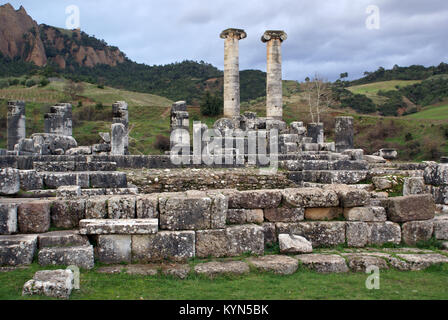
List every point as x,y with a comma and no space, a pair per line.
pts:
16,125
231,71
274,91
59,120
343,133
179,125
121,113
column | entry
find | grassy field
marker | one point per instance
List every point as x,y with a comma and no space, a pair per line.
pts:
431,113
427,284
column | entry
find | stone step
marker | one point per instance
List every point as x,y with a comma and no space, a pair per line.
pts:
66,238
80,256
329,176
17,250
85,179
118,226
70,166
51,283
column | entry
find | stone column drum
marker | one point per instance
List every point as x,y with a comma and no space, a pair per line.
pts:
274,93
16,125
231,71
343,133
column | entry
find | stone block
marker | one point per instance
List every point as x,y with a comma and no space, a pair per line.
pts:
68,192
147,206
414,185
441,227
410,208
9,181
211,243
415,231
320,233
244,239
67,213
118,226
366,214
165,245
179,212
255,199
68,238
310,198
30,180
8,218
349,197
17,250
81,257
360,263
219,208
270,236
121,207
34,216
294,244
277,264
114,248
323,263
284,214
357,234
384,232
236,216
96,208
51,283
105,179
436,174
323,214
216,268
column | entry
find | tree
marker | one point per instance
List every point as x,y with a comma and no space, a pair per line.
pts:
211,105
343,75
319,96
73,89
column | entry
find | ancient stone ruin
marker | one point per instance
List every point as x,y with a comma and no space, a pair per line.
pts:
217,201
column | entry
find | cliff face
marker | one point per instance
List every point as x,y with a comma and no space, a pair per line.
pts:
20,36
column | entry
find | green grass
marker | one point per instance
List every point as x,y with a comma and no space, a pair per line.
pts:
431,113
371,90
428,284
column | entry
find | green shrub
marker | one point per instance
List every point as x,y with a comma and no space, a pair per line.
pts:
30,83
4,83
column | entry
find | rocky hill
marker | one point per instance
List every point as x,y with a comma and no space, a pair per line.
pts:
22,38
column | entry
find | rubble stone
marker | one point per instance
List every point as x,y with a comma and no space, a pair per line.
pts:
323,263
277,264
50,283
294,244
215,268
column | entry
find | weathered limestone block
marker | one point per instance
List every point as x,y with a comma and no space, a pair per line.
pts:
236,216
9,181
277,264
374,159
68,238
48,143
316,132
16,123
384,232
30,180
284,214
114,248
101,147
119,139
67,213
415,231
441,227
255,199
118,226
255,216
323,263
165,245
387,153
84,150
414,185
68,192
211,243
344,133
410,208
96,207
108,180
81,257
323,213
8,218
320,233
310,198
294,244
34,216
215,268
182,212
219,208
422,261
270,236
357,234
121,207
244,239
17,250
54,180
349,197
51,283
367,214
436,174
354,154
147,206
360,263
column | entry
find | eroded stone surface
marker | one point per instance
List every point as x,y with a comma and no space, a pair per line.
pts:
212,269
411,208
118,226
69,238
82,257
255,199
114,248
34,216
275,263
324,263
294,244
415,231
50,283
17,249
310,198
244,239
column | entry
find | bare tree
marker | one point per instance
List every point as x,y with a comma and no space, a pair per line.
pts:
73,89
318,95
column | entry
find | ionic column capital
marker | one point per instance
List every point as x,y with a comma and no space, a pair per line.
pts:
233,33
274,34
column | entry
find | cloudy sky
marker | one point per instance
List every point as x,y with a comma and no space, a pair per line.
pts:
324,36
